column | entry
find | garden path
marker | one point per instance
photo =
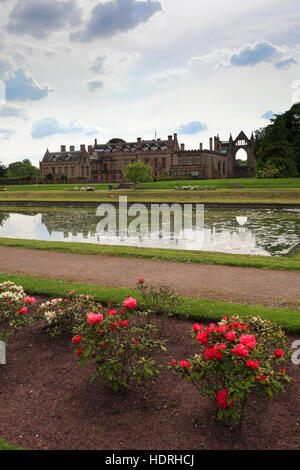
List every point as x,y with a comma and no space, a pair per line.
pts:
226,283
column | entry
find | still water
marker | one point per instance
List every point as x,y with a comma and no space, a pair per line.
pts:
269,232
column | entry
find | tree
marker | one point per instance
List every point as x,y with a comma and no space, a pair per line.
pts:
23,168
275,150
3,170
138,172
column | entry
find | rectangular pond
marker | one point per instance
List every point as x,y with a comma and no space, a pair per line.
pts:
269,232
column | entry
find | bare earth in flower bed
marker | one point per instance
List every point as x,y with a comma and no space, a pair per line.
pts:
48,402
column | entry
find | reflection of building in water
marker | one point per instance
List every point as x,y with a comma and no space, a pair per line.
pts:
240,240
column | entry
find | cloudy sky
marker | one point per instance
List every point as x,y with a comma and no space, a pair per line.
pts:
75,70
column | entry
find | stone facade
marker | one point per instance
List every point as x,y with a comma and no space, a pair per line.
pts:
106,163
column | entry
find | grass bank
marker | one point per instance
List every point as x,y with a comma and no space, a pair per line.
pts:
190,308
5,446
291,263
221,196
225,184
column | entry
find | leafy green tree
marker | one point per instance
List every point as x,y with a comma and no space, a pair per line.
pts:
22,168
138,172
276,150
3,170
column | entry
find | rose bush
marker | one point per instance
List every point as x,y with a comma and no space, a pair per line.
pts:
160,301
64,314
236,360
14,309
119,342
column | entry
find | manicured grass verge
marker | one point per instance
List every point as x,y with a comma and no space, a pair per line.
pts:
182,256
276,196
190,308
5,446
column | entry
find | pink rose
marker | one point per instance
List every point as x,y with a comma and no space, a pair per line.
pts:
23,311
130,303
185,364
94,318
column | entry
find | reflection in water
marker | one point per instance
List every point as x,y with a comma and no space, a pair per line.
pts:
262,232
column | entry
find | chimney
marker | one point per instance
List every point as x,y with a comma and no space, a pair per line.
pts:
82,147
215,144
62,148
96,142
201,147
170,142
72,148
210,144
139,141
182,147
90,149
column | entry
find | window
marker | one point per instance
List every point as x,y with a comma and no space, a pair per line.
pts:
156,163
190,160
72,171
163,163
87,171
180,160
115,164
198,159
53,170
146,161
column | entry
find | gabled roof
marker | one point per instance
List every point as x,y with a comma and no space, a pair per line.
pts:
75,156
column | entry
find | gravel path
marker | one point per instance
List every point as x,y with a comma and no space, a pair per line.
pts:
242,285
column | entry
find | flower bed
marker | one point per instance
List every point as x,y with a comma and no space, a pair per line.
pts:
230,363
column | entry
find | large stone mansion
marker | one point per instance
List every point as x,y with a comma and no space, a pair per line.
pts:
106,163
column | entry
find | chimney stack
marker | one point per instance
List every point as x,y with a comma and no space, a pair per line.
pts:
90,149
95,141
182,147
72,148
210,144
201,147
62,148
139,142
82,147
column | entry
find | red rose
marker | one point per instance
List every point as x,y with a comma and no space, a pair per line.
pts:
77,339
185,364
279,353
135,341
141,281
79,351
23,311
173,363
222,399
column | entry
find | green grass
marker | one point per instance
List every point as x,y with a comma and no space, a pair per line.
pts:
220,196
182,256
190,308
224,184
5,446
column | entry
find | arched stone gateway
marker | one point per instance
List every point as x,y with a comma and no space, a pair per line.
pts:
231,149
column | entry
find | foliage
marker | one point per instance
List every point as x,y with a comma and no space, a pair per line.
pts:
64,314
278,145
236,360
161,301
13,308
138,172
119,343
3,170
22,168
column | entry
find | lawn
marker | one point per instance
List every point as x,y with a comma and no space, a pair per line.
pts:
222,184
221,196
190,308
288,263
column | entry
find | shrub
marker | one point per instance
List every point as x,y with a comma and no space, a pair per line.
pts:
13,309
161,301
119,344
235,361
64,314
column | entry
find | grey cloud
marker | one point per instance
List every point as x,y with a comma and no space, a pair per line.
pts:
260,51
97,64
21,86
285,63
94,85
12,112
116,16
50,126
39,18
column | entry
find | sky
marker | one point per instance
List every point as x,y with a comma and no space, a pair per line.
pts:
72,71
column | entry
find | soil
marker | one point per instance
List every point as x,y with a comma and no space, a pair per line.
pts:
48,402
230,284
